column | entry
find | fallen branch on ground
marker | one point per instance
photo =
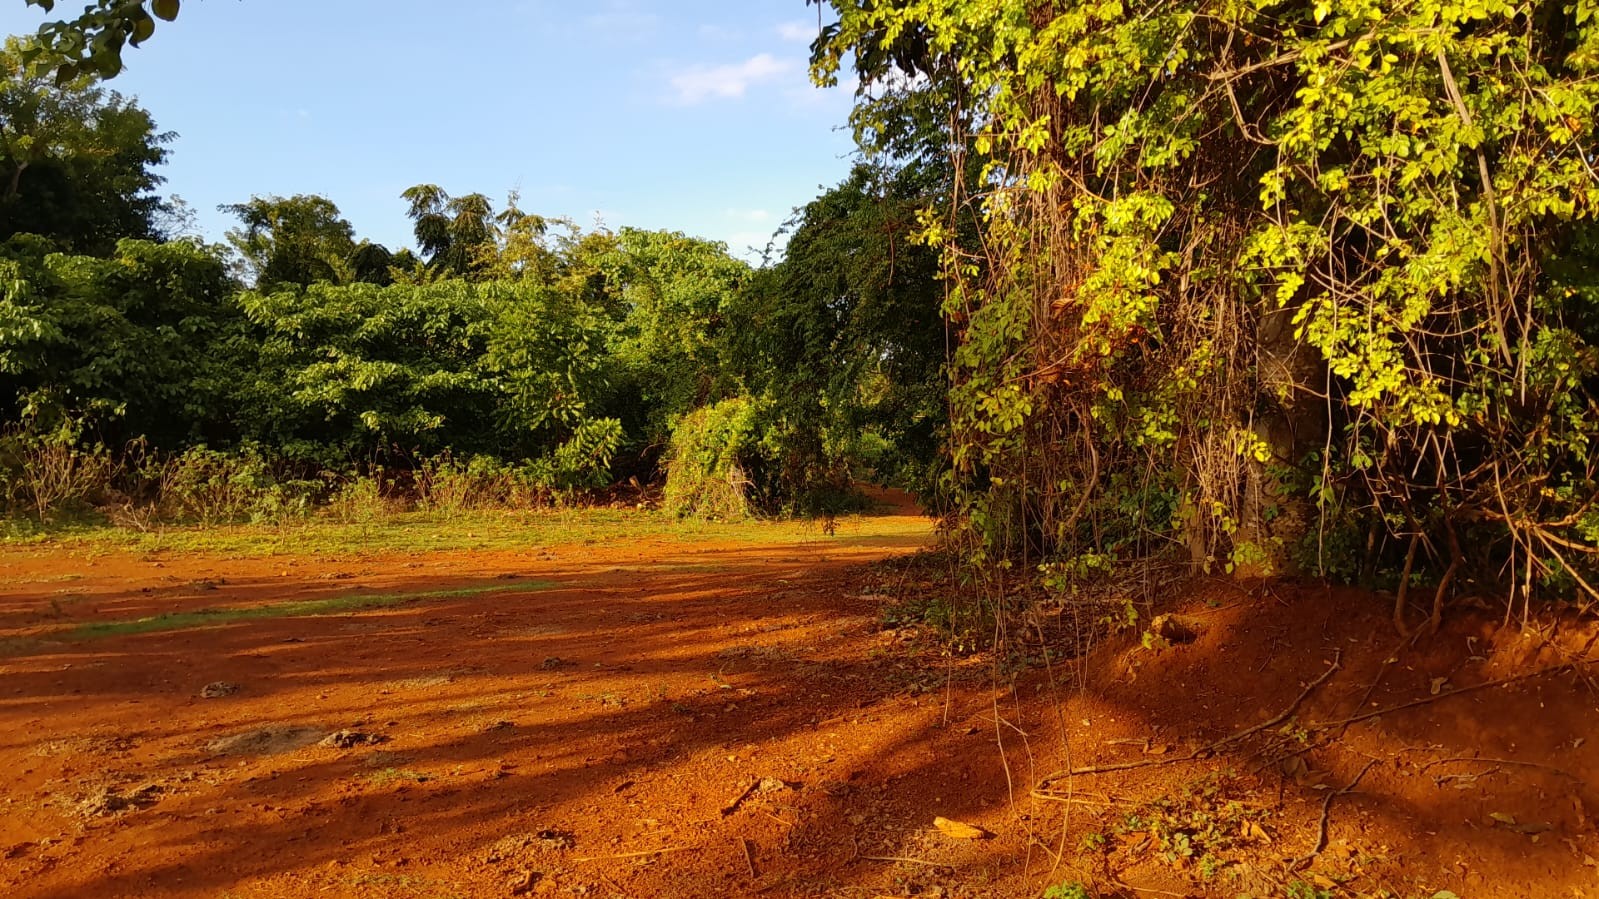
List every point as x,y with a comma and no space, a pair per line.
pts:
1456,691
908,861
731,807
1326,809
749,858
1080,798
1489,761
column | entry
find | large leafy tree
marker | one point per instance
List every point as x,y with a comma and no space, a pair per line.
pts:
466,237
77,162
672,292
147,341
843,339
1238,254
505,368
458,236
300,240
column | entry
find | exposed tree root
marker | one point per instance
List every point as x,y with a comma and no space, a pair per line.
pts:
1456,691
1326,809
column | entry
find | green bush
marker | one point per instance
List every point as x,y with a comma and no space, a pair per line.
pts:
445,484
707,463
210,487
582,460
360,500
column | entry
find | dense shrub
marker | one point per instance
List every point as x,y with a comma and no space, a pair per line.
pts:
708,462
49,471
1252,278
514,359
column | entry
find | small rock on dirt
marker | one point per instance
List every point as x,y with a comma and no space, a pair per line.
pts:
110,802
349,739
960,830
523,883
218,689
515,847
556,840
381,759
834,788
772,785
552,663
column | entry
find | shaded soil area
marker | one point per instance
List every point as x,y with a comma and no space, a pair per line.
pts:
670,718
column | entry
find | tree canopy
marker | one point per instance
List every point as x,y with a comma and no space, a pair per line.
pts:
570,356
1283,283
1274,286
77,162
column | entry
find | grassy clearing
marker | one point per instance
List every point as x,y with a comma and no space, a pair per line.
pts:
336,605
424,532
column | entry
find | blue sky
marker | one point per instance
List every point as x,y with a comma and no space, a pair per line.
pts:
690,115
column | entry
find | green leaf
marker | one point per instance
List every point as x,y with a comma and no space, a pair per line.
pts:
143,27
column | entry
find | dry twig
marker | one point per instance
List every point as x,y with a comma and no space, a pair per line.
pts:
1456,691
908,861
1489,761
749,858
1326,809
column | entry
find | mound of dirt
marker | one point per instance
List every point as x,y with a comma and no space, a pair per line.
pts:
274,739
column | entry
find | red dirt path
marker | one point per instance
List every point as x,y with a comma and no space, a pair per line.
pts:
590,726
620,703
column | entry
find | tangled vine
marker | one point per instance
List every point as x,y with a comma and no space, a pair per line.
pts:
1271,285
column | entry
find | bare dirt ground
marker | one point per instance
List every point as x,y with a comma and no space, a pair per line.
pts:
662,717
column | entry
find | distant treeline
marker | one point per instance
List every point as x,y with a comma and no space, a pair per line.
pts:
507,341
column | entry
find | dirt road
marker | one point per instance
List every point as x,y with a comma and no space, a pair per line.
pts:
649,713
653,718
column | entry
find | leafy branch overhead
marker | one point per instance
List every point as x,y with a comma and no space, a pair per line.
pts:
94,41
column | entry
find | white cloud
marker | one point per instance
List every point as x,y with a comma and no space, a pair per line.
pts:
797,32
700,83
749,215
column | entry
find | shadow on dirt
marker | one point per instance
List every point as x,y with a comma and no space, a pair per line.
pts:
734,720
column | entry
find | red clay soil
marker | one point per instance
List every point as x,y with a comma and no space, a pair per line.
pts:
667,719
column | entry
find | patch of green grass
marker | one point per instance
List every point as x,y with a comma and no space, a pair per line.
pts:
423,532
393,775
336,605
